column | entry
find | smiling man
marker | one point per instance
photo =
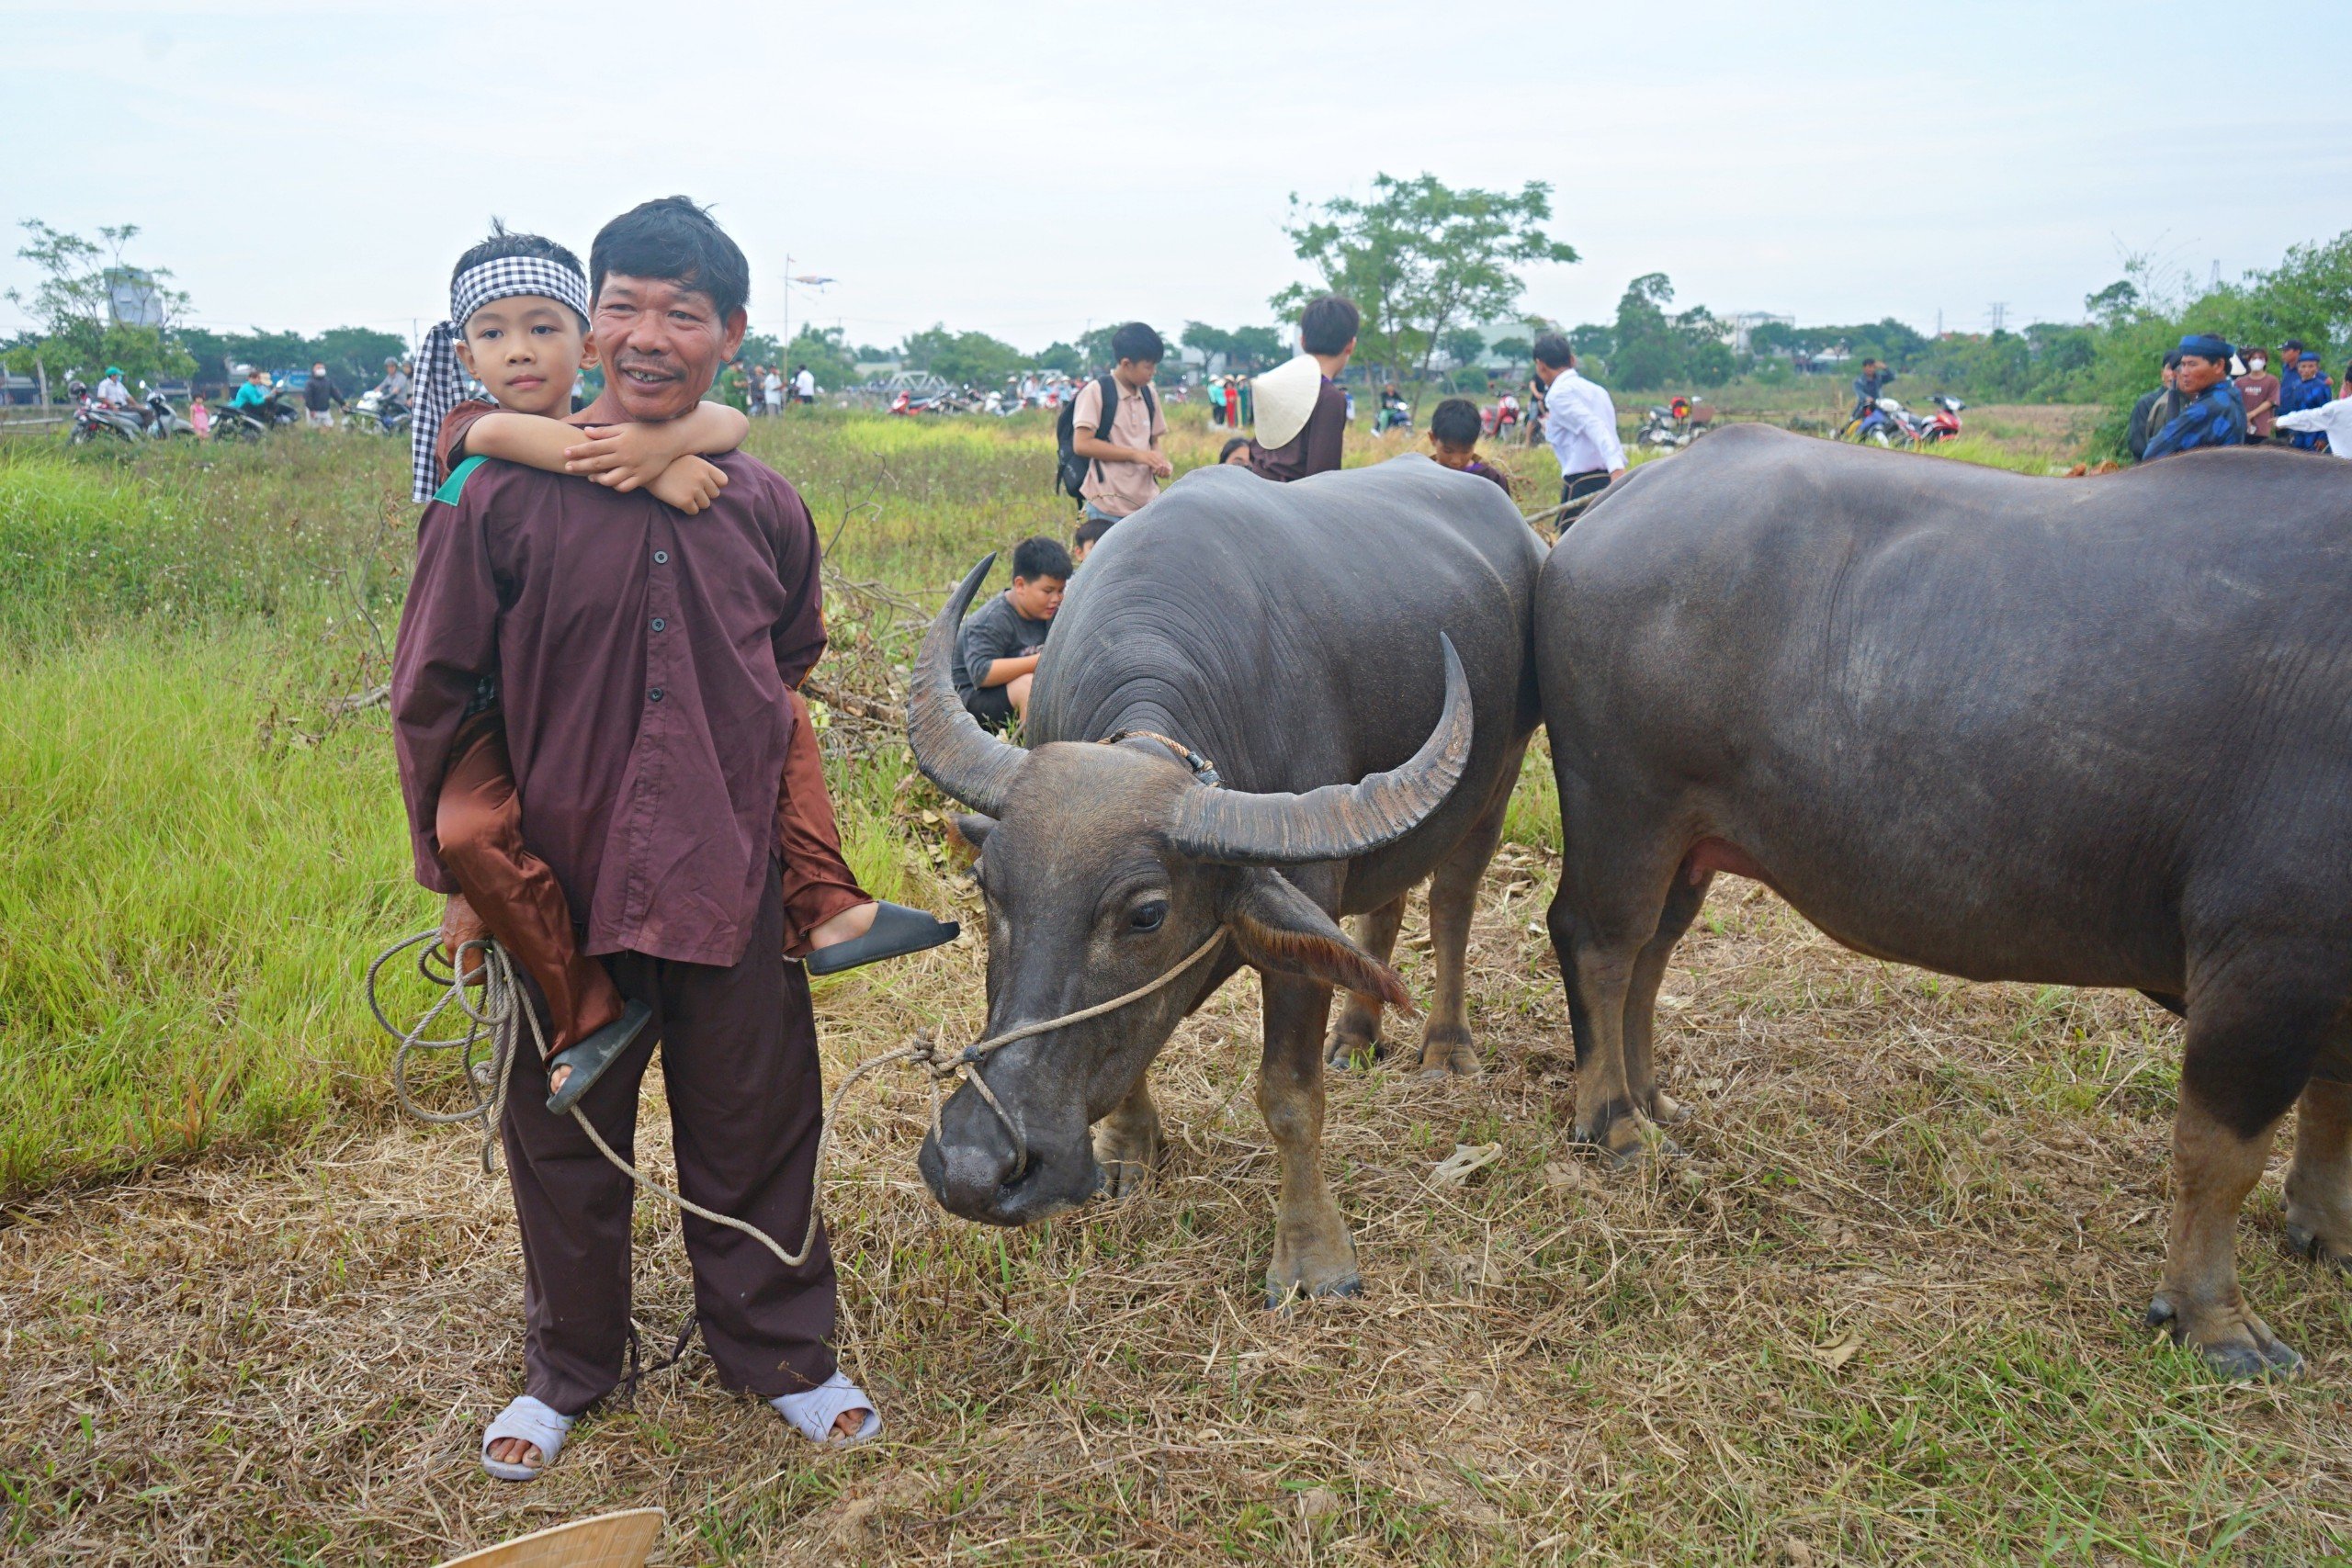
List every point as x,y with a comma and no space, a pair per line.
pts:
643,662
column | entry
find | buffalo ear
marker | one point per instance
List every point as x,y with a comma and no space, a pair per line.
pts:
971,829
1280,930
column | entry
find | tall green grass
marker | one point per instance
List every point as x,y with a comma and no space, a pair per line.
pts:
185,891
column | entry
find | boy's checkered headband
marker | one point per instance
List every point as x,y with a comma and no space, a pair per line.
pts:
440,380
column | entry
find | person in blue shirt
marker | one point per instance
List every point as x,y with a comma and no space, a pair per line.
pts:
1869,385
255,392
2212,411
2309,389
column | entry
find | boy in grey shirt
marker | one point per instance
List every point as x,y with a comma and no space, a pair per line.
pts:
997,651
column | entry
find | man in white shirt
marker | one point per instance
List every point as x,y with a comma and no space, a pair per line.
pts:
771,391
2332,421
804,385
1578,421
111,393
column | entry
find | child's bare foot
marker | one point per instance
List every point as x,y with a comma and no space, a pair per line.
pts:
847,926
871,932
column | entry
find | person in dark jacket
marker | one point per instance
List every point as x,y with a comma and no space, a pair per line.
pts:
2143,420
318,392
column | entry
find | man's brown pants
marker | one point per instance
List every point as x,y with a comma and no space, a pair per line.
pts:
739,1055
515,896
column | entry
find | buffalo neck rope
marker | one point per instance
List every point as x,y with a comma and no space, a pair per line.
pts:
495,1024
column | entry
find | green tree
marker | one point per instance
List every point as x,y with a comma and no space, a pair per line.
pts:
1061,357
1517,350
966,358
1245,348
79,305
826,355
1464,344
1419,259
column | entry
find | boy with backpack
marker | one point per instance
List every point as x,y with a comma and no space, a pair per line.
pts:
1110,432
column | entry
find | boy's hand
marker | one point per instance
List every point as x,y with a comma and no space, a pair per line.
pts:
1160,467
689,484
624,456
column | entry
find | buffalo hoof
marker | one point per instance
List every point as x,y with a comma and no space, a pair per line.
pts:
1128,1155
1447,1052
1278,1297
1666,1110
1349,1052
2239,1347
2306,1239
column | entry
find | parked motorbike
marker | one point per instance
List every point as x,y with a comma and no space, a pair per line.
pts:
158,420
372,414
1394,413
1944,423
94,420
251,421
1885,422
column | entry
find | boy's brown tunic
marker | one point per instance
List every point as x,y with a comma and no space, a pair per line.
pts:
643,661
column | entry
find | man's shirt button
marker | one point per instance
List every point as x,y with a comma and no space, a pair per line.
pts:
659,625
660,558
654,695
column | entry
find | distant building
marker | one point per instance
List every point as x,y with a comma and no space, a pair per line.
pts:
1742,325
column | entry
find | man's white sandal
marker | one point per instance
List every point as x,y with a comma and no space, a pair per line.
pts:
534,1422
812,1413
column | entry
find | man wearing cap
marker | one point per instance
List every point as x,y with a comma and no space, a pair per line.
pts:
110,392
2308,390
2211,413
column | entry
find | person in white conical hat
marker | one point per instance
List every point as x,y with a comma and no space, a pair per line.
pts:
1302,409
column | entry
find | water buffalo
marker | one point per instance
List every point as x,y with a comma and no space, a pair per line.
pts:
2077,732
1371,624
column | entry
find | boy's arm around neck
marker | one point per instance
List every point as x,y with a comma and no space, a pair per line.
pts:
622,457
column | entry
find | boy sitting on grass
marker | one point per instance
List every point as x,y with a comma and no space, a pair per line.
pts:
1454,429
527,350
998,650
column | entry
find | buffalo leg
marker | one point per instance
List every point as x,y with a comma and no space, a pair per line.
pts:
1454,894
1356,1037
1314,1255
2319,1182
1606,911
2249,1053
1127,1144
1683,906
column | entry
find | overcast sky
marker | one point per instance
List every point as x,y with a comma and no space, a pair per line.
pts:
1028,170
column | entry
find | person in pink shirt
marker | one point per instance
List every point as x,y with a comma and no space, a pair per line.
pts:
199,418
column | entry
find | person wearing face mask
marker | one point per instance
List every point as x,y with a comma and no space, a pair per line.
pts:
2259,389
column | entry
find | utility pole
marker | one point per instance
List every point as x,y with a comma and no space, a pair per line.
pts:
787,304
1999,312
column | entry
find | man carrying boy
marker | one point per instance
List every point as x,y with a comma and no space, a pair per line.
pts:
1123,463
642,669
1302,409
998,650
1454,429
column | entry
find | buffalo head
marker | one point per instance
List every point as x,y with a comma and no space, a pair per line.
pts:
1104,866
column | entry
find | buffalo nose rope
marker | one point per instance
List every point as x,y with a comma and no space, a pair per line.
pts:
493,1028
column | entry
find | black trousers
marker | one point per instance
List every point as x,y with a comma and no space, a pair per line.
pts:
739,1055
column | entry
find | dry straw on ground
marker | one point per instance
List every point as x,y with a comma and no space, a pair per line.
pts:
1883,1307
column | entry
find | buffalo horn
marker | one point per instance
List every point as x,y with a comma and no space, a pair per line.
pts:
950,747
1338,822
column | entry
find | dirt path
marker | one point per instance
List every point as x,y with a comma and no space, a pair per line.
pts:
1883,1309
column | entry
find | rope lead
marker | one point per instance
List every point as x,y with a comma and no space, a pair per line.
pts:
496,1023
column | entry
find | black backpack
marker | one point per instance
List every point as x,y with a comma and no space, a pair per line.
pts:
1070,471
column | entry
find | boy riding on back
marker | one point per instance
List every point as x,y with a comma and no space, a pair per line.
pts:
526,348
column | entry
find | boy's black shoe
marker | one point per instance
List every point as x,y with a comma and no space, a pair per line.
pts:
589,1059
897,932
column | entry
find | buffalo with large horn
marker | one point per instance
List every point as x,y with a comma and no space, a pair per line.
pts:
1262,707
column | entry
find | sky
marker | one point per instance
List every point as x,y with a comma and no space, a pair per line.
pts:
1029,170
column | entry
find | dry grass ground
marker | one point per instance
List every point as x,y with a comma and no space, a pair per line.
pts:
1884,1308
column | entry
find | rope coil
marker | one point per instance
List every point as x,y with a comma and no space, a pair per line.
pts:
495,1024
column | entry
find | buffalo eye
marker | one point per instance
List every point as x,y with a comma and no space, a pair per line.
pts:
1148,916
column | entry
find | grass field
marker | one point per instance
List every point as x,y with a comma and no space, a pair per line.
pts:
1884,1311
